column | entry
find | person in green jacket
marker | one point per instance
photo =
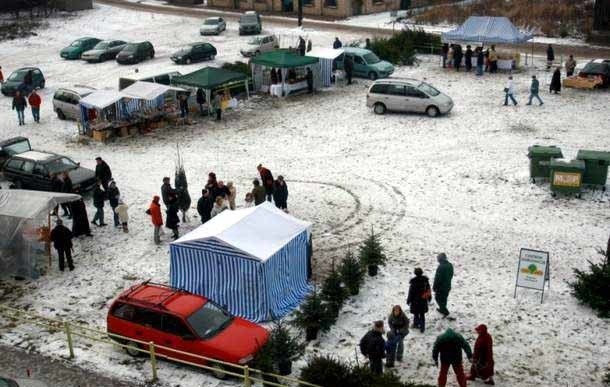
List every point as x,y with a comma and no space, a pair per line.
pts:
450,345
534,90
442,283
258,192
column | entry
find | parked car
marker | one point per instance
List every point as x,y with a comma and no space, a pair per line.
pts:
213,26
194,52
597,68
250,23
103,51
8,382
13,146
33,170
163,78
18,81
366,63
407,95
183,321
135,53
77,47
65,101
259,45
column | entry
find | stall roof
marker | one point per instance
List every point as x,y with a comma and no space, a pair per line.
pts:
148,90
25,204
283,59
325,52
486,29
209,78
102,98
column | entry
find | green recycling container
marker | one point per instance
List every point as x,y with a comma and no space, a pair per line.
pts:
539,160
566,176
596,166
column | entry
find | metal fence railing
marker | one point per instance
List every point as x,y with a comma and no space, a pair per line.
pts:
152,350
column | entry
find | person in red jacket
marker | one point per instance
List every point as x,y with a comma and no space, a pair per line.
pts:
35,101
483,357
1,76
155,216
267,180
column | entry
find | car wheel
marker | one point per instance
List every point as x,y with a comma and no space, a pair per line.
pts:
219,371
61,115
187,61
18,184
42,83
373,76
379,108
432,111
130,349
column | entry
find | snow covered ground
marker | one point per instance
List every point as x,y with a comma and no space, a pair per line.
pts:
457,184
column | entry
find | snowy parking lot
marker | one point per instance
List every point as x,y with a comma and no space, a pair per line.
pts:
458,184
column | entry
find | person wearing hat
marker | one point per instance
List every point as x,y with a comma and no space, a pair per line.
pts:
154,210
419,296
372,345
102,172
166,190
483,357
442,283
61,237
449,346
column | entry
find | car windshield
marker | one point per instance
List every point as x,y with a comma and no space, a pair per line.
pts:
371,58
18,147
76,43
248,19
186,47
61,164
426,88
255,41
209,320
101,46
211,22
17,76
131,48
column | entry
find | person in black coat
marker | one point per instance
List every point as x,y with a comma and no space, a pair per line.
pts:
204,206
61,237
102,172
445,53
468,58
280,193
99,196
337,44
80,220
172,220
419,296
348,66
550,57
372,345
113,194
556,81
457,57
66,188
166,190
480,60
302,46
309,77
200,100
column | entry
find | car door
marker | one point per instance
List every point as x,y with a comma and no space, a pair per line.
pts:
360,67
41,176
37,78
177,336
417,99
396,97
147,325
72,109
27,177
12,170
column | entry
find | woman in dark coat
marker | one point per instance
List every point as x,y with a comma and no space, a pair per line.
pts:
280,193
556,81
483,357
172,220
419,296
80,220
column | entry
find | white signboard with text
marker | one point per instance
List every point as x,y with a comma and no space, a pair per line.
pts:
533,270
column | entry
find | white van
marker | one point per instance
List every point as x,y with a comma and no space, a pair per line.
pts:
407,95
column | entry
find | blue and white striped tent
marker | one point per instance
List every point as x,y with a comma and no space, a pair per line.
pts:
252,260
486,30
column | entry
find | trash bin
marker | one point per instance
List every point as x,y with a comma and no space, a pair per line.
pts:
566,176
596,167
539,157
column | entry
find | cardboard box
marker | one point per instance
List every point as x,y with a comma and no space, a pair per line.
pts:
100,135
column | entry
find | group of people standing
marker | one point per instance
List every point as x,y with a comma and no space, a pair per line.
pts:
448,345
20,103
453,55
200,98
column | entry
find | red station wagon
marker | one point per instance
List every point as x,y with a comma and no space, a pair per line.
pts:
183,321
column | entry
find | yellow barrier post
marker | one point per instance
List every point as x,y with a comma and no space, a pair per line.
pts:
69,334
247,382
153,361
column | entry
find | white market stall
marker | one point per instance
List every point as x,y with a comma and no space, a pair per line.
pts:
326,56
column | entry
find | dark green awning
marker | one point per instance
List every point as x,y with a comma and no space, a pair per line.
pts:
283,59
209,78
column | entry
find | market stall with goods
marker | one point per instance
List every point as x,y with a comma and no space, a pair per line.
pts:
281,72
155,103
327,57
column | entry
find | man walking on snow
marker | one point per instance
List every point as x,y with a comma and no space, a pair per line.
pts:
61,237
534,89
450,345
442,283
509,91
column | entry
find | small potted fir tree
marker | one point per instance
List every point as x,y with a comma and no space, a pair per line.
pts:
284,348
333,292
371,254
351,273
313,316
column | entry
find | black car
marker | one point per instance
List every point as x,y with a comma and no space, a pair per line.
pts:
34,169
194,52
13,146
136,53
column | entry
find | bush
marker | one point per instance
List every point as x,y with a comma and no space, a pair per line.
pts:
351,273
371,251
327,371
402,47
334,293
592,288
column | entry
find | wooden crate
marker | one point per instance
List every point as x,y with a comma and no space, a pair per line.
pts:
133,130
100,135
580,83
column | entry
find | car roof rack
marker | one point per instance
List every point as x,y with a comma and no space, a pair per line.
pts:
160,304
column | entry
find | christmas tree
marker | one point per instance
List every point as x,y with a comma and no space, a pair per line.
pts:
333,292
372,254
313,316
351,273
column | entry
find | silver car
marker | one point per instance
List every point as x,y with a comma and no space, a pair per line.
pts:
103,51
407,95
65,101
258,45
213,26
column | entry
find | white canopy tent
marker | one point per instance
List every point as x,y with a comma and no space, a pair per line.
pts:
326,56
25,225
149,91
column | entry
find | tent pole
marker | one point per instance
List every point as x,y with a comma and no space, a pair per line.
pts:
47,243
247,89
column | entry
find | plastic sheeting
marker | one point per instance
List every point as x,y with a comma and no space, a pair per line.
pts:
486,30
24,226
